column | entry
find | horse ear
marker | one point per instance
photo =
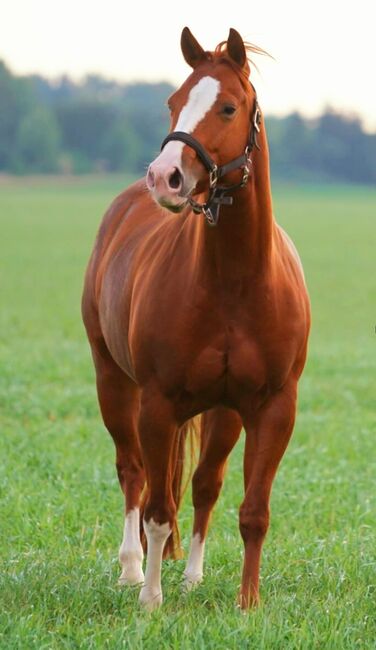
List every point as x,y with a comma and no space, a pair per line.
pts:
192,50
236,49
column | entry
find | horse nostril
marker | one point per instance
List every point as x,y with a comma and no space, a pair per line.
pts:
175,179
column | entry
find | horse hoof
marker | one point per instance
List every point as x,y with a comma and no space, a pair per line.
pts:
191,581
246,602
131,577
150,601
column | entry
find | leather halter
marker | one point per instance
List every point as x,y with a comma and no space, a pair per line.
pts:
217,193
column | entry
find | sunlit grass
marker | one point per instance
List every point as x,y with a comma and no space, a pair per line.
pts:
61,508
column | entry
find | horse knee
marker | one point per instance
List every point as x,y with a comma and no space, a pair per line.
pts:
160,513
131,475
253,523
206,488
130,470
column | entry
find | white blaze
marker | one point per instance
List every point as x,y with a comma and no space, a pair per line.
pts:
200,100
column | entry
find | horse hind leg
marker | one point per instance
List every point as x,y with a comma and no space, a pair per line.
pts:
220,430
118,397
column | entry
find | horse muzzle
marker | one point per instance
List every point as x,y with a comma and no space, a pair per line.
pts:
166,184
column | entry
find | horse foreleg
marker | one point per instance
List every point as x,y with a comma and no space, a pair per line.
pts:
158,429
266,440
119,401
220,429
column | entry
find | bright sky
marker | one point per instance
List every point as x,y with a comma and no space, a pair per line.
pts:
324,49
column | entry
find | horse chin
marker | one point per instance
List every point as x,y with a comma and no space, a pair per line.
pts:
173,207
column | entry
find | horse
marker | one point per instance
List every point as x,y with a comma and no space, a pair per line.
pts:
196,306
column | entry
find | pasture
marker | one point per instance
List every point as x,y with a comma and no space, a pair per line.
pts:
61,509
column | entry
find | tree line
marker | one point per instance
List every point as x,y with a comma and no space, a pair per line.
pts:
101,125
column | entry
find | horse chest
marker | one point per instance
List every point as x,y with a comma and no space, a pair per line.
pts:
233,360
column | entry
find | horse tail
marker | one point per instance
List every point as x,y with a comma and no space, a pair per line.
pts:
185,448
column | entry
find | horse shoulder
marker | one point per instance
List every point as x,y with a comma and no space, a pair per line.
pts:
124,221
274,339
291,249
293,304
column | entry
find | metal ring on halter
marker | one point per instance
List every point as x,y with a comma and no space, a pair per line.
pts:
246,172
209,217
257,118
213,177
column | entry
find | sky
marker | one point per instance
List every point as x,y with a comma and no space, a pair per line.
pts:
324,51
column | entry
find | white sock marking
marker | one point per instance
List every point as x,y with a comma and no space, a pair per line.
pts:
130,552
156,535
194,570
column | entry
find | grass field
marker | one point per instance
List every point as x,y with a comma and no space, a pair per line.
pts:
61,508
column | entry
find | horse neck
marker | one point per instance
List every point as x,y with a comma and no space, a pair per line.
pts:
241,244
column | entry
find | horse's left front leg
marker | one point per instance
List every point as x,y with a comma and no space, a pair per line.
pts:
266,441
157,430
220,430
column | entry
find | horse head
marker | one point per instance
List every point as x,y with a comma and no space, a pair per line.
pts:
214,123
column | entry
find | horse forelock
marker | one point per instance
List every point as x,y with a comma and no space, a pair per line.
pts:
221,54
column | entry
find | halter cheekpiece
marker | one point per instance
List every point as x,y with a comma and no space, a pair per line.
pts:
218,193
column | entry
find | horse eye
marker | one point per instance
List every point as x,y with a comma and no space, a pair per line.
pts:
228,110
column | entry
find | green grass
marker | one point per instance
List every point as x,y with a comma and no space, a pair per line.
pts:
61,507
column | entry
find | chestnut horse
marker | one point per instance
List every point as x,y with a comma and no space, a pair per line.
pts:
195,302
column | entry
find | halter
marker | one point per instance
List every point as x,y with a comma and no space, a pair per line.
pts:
217,193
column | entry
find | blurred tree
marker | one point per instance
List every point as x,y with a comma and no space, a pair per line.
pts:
121,147
37,143
84,124
291,146
343,150
148,118
17,99
101,124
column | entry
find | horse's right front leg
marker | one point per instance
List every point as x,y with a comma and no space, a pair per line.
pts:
158,429
119,402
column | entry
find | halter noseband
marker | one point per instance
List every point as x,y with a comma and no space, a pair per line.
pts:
217,193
